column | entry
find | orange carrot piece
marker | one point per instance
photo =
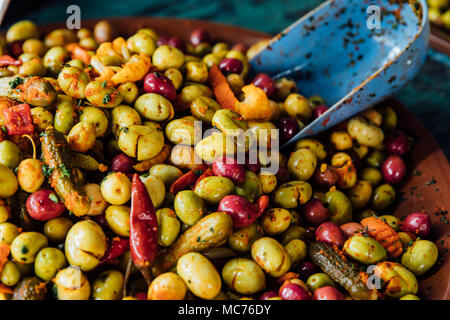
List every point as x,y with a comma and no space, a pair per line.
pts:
5,290
4,253
221,88
384,234
78,52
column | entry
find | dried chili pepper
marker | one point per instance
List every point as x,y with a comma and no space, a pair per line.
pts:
117,247
208,173
18,120
6,60
143,228
263,204
188,179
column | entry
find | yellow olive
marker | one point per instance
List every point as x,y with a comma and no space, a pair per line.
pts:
118,218
72,284
108,286
26,245
30,175
56,229
167,286
116,188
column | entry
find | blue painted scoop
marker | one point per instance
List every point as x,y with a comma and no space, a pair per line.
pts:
337,52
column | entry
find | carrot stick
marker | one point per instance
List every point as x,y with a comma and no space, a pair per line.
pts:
4,253
221,88
384,234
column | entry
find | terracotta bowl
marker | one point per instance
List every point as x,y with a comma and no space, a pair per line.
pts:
427,187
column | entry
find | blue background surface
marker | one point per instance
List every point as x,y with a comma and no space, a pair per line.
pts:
428,96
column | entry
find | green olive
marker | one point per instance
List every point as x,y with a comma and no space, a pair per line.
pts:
165,57
406,239
85,245
32,67
118,218
268,182
243,276
10,274
22,30
360,194
192,91
175,76
399,280
48,262
389,118
81,137
30,289
74,82
97,118
89,44
56,229
141,43
108,286
365,250
241,240
291,194
409,297
313,145
200,275
302,164
210,59
275,221
26,245
9,154
116,188
155,107
271,256
60,37
297,106
122,117
341,140
5,214
392,221
420,257
297,251
167,173
372,175
196,71
8,182
167,286
54,60
72,284
319,280
375,158
104,31
168,226
65,117
189,207
183,131
42,118
383,197
294,232
100,94
365,132
129,91
155,188
8,232
213,189
141,141
339,206
237,83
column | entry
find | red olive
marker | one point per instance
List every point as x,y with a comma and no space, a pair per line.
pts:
160,84
288,129
230,65
44,205
319,110
397,143
229,168
349,229
325,178
330,233
239,47
306,269
393,169
263,81
293,291
141,295
199,36
417,223
177,43
101,220
122,163
328,293
162,40
282,176
315,213
267,295
242,212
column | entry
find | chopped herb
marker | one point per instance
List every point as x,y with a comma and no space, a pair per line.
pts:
198,172
104,84
80,102
14,83
431,182
4,130
24,250
53,197
417,173
198,239
106,98
47,171
64,171
16,170
43,134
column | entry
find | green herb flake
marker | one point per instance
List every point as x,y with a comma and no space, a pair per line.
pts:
64,171
104,84
417,173
47,171
4,130
106,98
14,83
53,197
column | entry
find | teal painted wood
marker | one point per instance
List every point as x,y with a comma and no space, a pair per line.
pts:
428,95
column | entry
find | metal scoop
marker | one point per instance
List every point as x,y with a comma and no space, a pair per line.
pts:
347,53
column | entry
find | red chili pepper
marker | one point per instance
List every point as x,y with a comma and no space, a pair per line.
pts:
263,204
6,60
188,179
208,173
18,120
143,228
117,247
141,295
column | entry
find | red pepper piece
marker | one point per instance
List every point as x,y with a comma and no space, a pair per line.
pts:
6,60
117,247
143,228
188,179
208,173
18,120
263,204
141,295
